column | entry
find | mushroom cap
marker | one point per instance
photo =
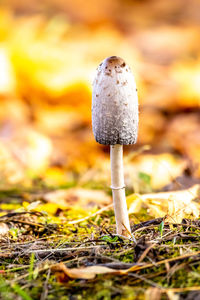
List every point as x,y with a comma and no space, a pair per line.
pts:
114,103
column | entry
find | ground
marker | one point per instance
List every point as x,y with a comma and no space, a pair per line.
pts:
43,256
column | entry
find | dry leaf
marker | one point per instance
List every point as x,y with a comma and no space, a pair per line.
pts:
78,196
153,293
172,296
183,134
176,204
83,273
162,169
7,79
33,205
65,273
134,203
4,229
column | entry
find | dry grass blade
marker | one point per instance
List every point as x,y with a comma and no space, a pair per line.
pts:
144,254
184,289
136,268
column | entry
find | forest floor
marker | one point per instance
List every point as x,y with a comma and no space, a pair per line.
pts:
57,256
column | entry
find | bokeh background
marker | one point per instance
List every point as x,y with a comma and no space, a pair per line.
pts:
49,51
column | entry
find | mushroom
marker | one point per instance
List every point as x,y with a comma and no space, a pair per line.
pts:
115,123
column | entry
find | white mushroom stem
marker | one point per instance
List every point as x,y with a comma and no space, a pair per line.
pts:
118,190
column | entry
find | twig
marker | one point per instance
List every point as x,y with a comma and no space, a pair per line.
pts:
45,288
16,214
47,251
142,278
92,215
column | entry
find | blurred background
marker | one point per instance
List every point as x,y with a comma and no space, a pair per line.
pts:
49,51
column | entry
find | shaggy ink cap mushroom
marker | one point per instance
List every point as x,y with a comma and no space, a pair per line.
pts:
114,103
115,123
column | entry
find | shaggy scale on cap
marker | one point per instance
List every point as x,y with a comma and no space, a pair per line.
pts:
114,103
